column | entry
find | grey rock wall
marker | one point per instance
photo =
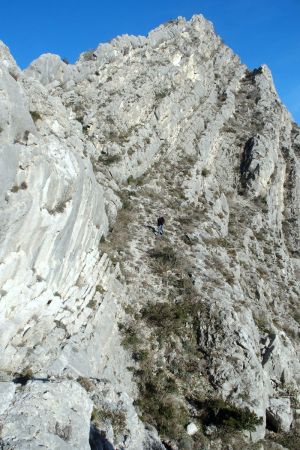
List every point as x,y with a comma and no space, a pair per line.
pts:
172,124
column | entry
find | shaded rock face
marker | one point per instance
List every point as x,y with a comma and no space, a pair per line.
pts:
106,326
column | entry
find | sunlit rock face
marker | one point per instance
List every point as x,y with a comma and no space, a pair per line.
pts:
99,316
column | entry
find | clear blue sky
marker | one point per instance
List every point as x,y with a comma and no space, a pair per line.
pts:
260,31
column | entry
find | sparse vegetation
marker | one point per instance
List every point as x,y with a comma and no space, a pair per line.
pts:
89,55
205,172
130,179
16,187
165,412
163,259
107,160
117,418
262,324
170,317
100,289
131,339
224,414
159,95
35,116
23,185
86,383
58,208
92,304
289,440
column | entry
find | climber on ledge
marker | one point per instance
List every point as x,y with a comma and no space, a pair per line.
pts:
160,226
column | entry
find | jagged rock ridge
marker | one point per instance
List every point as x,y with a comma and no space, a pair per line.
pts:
198,327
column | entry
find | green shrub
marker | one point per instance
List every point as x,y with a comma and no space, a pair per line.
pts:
140,355
164,411
169,316
131,339
224,414
15,188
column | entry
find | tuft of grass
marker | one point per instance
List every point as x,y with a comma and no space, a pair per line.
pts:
85,383
117,418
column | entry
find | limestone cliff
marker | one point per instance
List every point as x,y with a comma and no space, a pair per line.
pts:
185,341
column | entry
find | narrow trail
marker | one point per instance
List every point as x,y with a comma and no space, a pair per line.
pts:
157,193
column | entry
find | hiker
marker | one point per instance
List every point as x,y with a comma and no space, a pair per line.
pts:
160,225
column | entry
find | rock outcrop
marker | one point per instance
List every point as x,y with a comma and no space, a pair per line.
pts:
189,340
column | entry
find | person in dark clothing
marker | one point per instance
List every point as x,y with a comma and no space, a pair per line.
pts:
160,225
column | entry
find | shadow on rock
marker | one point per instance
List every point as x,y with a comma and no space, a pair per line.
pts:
98,440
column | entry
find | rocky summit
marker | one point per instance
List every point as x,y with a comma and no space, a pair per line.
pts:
114,336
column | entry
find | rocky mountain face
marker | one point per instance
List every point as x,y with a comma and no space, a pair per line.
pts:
188,340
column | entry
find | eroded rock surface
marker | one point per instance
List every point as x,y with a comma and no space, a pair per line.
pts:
106,326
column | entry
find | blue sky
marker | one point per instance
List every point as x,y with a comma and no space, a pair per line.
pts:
260,31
